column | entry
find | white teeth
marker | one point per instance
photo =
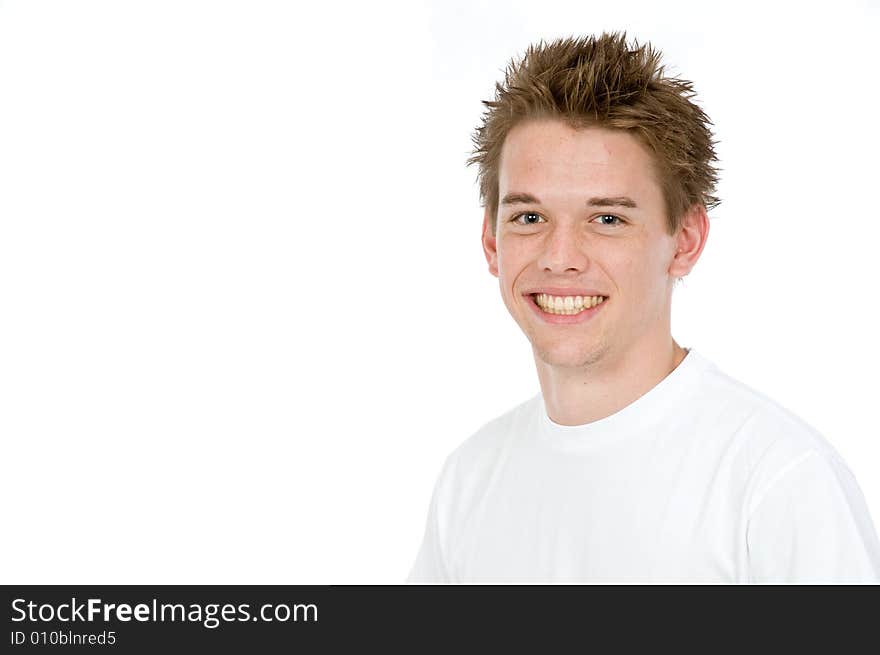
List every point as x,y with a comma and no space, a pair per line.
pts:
566,304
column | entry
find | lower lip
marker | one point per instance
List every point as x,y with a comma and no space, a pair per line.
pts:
565,319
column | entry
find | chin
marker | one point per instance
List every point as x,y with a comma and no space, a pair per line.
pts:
568,357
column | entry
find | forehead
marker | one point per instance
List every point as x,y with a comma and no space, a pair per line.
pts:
549,158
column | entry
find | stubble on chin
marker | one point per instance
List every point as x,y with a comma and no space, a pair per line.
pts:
580,357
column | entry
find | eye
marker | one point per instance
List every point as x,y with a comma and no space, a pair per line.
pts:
528,215
611,216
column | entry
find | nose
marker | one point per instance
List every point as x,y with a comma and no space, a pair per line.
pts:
563,251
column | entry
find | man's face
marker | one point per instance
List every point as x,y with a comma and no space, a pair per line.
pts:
581,214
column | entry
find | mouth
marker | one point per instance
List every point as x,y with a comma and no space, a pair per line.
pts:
566,305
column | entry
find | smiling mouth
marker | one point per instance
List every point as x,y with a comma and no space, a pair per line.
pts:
566,305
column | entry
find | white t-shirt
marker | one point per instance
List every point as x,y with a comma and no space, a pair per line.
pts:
702,479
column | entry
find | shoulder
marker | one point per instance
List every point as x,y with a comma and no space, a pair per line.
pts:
497,433
769,439
476,456
765,417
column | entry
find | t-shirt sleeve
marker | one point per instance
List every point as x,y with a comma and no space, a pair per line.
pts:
812,526
430,565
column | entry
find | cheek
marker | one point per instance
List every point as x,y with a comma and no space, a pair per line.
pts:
647,282
511,260
627,267
643,263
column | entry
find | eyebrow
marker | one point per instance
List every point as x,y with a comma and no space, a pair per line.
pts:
528,198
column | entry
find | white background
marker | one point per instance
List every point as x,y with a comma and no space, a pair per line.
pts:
244,310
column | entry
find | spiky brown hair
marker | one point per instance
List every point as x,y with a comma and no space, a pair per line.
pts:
602,81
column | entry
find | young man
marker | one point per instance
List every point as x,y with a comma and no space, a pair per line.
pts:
639,461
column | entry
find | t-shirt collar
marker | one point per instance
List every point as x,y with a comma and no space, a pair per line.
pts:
647,410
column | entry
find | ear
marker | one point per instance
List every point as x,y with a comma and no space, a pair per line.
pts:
690,240
490,247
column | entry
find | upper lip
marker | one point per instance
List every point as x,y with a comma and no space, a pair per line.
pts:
563,291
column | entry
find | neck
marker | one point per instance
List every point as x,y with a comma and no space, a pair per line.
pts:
576,396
